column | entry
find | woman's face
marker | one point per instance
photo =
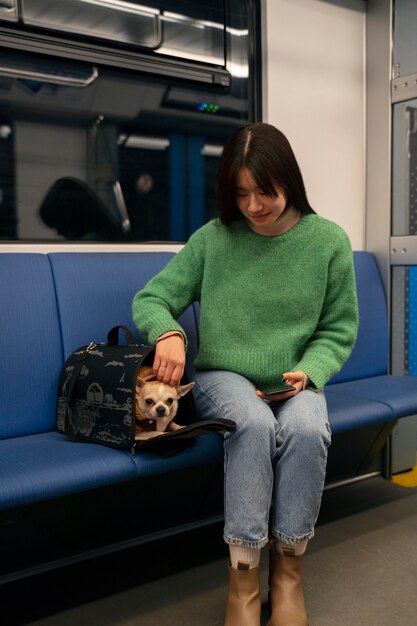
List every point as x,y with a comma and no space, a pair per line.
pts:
265,214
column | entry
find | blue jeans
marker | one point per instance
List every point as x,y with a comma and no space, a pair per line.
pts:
275,461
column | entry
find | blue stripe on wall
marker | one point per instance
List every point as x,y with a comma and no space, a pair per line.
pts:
412,321
196,188
177,188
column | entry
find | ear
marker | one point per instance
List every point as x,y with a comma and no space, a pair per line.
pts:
140,383
183,389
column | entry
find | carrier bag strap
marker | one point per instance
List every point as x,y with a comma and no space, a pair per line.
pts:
113,336
68,429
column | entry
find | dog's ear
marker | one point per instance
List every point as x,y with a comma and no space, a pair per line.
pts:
139,383
183,389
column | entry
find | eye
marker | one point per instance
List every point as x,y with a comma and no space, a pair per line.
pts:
149,402
170,401
241,194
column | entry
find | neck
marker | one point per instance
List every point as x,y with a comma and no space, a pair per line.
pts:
289,218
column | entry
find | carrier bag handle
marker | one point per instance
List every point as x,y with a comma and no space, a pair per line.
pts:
113,336
69,431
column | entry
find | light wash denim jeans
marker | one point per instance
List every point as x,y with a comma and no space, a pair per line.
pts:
275,461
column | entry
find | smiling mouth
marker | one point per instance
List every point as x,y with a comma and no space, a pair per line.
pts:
259,217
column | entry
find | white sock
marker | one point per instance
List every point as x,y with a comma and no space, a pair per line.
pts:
289,550
244,558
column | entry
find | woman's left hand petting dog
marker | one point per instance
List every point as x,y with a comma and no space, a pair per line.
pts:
156,404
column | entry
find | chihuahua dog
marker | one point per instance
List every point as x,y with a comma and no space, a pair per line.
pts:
156,404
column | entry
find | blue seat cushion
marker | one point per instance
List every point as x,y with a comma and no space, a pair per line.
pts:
49,465
399,393
348,412
44,466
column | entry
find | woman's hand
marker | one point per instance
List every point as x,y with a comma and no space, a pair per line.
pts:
169,361
296,379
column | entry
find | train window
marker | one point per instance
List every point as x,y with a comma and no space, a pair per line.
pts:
405,42
95,150
403,320
404,161
404,185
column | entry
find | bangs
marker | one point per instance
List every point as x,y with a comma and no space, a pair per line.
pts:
263,176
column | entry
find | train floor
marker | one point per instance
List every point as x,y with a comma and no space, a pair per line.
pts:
359,570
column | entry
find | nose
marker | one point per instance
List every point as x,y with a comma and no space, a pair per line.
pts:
254,205
160,410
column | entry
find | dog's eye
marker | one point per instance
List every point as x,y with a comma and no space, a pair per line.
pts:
149,401
170,401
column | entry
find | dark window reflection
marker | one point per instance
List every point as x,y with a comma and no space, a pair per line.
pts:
145,186
96,152
7,182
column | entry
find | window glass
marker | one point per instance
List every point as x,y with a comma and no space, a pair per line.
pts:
404,320
404,179
97,152
403,283
405,41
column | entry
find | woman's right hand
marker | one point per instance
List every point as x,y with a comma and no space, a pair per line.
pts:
169,361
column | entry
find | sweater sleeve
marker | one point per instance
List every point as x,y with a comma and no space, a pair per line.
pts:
334,337
157,306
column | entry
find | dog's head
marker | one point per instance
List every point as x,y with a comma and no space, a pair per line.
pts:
158,401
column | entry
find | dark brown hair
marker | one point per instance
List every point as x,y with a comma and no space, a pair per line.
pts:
266,153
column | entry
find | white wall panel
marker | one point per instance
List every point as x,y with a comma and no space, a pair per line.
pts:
314,75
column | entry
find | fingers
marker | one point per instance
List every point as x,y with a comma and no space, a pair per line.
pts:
169,361
169,374
297,379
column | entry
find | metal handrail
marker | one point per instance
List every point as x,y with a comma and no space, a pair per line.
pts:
69,81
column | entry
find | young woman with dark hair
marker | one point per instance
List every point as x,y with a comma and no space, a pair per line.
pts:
267,154
277,295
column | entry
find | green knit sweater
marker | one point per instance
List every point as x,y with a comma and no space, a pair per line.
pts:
269,305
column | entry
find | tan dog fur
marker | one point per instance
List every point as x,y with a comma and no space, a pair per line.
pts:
156,404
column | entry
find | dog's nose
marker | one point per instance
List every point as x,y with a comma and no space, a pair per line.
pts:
160,410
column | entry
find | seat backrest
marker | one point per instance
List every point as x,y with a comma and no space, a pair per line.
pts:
30,345
370,354
43,323
95,292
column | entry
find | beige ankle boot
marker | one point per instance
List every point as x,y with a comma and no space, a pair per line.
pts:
243,600
286,590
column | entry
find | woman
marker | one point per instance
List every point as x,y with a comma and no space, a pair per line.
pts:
277,297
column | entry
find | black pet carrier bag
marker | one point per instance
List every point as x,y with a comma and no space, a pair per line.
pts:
96,397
